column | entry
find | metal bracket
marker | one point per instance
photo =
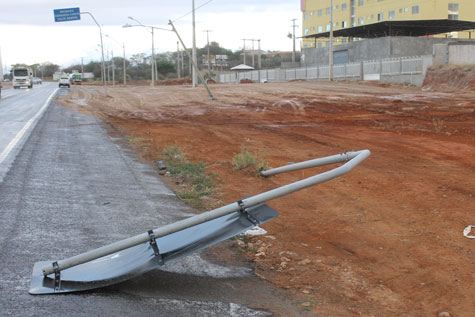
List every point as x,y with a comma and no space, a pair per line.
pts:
154,245
57,277
246,213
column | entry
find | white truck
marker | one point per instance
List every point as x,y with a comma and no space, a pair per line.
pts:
22,77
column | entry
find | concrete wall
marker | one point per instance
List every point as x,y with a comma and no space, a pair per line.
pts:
461,53
375,49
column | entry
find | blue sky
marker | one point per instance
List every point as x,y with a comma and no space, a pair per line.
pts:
28,33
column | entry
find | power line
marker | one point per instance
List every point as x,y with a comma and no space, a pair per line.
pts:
199,7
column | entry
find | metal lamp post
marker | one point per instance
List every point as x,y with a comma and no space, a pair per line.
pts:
193,50
102,51
152,28
331,42
153,44
123,50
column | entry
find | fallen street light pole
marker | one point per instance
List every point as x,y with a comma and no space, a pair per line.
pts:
193,61
130,257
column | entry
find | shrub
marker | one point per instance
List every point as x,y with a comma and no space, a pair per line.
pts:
245,159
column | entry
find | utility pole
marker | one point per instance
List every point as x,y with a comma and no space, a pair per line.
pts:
211,97
193,51
293,38
125,74
108,73
153,63
1,65
153,60
182,59
253,53
113,67
209,60
123,51
178,59
82,68
259,64
244,50
331,42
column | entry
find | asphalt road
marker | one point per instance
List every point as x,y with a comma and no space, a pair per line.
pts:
69,186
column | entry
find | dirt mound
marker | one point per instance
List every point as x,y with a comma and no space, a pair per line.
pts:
175,81
450,77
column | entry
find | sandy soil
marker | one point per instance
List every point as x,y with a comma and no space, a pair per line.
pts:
384,240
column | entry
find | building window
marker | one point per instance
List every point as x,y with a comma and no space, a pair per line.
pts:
453,17
392,14
344,24
319,13
343,40
380,16
305,32
328,27
415,9
344,6
305,46
320,29
319,44
400,10
405,10
305,17
327,10
453,7
361,21
360,2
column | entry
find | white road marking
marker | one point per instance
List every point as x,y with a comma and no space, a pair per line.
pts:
25,128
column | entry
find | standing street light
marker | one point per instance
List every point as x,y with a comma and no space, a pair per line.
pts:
102,51
193,51
331,41
123,50
209,61
152,28
153,45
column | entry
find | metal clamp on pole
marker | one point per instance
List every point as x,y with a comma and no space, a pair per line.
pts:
57,277
246,213
154,245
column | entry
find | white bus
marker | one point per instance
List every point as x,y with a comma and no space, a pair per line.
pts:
22,77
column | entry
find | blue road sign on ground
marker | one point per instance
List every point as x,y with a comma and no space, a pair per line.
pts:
70,14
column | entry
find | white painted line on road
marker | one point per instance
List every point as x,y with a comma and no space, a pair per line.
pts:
25,128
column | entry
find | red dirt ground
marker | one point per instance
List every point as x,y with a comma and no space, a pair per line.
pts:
385,239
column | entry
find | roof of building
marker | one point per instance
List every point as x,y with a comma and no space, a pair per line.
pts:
242,67
400,28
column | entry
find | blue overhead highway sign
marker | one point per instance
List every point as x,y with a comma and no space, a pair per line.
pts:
70,14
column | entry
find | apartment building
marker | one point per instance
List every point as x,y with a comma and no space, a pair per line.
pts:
316,15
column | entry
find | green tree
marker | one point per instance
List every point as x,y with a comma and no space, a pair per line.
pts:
165,67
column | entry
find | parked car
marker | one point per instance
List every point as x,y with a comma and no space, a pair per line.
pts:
37,80
64,81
